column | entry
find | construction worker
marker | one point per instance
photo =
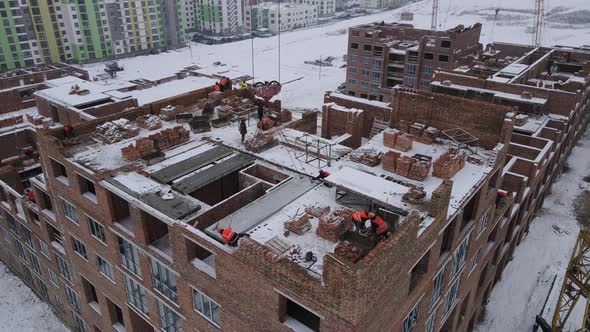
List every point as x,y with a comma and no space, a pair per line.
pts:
323,174
260,110
31,195
228,236
243,129
226,83
244,85
379,227
217,86
68,131
359,218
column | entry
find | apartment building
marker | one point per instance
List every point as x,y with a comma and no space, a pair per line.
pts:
220,18
383,55
325,8
122,228
266,15
18,45
379,4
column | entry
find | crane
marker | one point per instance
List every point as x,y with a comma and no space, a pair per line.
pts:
434,21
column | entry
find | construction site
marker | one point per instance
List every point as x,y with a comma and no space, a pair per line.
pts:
147,206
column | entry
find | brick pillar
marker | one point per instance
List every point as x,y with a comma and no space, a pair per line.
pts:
441,197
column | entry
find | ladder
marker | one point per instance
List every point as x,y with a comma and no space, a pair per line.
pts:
379,125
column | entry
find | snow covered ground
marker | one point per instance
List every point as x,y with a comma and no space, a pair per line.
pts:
544,253
513,25
21,310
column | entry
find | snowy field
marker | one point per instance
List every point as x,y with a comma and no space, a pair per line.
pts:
544,253
569,24
21,310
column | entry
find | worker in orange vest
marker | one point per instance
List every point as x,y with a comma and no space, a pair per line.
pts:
323,174
379,227
68,131
228,236
217,86
359,218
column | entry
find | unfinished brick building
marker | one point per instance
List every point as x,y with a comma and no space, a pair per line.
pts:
383,55
121,231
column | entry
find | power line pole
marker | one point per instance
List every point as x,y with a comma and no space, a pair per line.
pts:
538,21
434,21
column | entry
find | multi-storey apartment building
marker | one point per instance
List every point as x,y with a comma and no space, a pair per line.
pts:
219,18
265,15
18,45
325,8
383,55
121,231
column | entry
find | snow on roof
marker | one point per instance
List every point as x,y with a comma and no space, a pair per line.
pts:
533,125
180,153
64,80
397,51
514,69
497,94
61,94
170,89
137,183
360,100
369,185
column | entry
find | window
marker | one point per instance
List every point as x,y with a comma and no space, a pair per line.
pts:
28,275
409,81
376,76
443,58
353,58
97,230
411,319
354,46
206,307
377,64
52,277
428,56
437,288
35,262
169,320
447,238
430,323
27,236
411,70
60,303
427,70
352,70
59,171
460,256
367,48
164,280
365,85
129,257
366,72
481,226
87,188
367,60
42,289
73,298
79,248
445,43
474,259
63,268
424,83
452,295
44,248
352,81
70,211
79,325
21,249
104,267
294,311
419,270
136,295
11,223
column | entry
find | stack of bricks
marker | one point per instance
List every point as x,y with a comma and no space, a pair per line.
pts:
299,225
169,112
521,120
410,167
317,211
348,251
11,121
369,159
332,225
428,136
413,132
147,146
36,119
448,164
397,140
116,130
415,195
149,122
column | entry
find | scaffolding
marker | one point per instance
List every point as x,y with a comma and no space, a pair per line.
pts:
314,149
460,139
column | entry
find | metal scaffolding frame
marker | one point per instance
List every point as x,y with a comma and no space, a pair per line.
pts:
459,138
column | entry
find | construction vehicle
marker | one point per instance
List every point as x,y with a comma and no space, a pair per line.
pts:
266,90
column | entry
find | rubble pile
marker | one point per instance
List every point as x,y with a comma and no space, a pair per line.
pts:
149,122
116,130
299,225
149,146
447,165
371,159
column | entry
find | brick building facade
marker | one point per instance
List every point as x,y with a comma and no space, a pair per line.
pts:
114,244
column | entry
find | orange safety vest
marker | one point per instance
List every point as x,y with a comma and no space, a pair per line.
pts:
217,87
360,216
227,235
382,226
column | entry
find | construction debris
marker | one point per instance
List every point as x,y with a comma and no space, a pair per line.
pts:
415,195
115,131
368,158
148,147
299,225
347,250
261,141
